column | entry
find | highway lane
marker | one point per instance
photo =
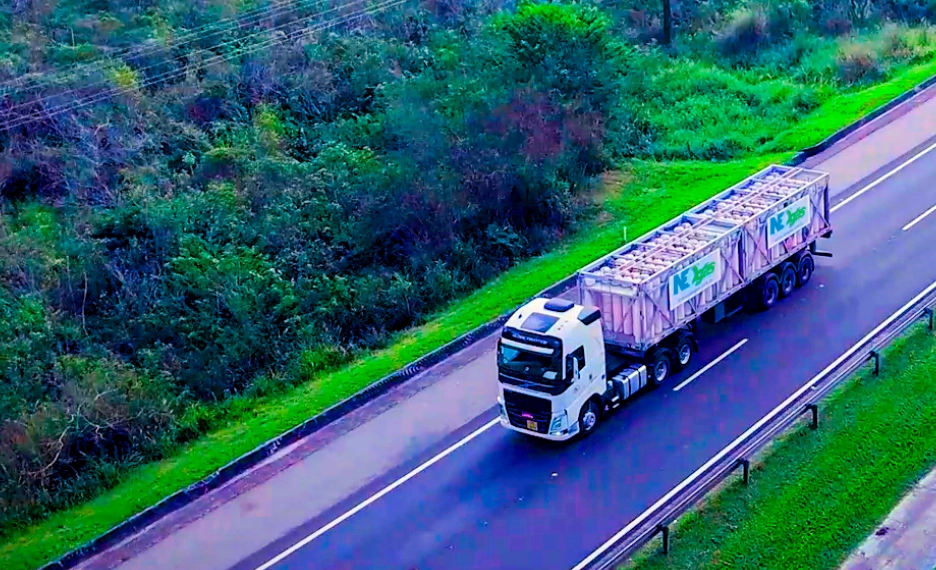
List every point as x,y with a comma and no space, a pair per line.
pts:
505,501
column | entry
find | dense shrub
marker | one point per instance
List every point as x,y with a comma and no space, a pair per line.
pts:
747,31
176,247
858,63
911,10
752,27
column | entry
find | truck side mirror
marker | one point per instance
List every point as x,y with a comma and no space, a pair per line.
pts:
577,371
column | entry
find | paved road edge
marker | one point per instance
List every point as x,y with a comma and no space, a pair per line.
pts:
237,467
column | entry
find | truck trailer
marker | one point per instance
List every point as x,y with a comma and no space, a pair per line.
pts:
634,315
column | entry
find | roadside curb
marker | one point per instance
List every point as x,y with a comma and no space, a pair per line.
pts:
252,458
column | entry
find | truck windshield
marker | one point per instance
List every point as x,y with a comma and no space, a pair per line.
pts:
542,368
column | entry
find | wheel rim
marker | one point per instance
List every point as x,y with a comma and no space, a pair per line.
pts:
660,371
789,281
590,418
685,353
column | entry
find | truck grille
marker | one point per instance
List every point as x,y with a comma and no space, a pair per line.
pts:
521,408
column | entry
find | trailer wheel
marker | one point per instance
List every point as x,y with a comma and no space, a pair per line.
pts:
765,294
804,269
788,278
660,366
684,351
588,418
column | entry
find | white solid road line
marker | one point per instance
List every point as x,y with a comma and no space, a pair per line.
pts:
375,497
760,423
884,177
709,365
919,218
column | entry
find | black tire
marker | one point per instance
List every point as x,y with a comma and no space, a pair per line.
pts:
684,351
788,280
765,293
661,366
589,417
804,269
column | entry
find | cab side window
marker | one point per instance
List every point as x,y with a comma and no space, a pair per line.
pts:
578,353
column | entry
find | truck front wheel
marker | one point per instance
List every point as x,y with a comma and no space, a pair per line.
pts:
660,366
588,418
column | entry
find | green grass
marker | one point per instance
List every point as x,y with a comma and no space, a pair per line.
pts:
844,109
818,494
640,197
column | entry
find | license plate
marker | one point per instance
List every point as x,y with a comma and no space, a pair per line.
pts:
531,425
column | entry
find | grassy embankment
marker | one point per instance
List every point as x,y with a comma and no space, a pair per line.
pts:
670,187
815,496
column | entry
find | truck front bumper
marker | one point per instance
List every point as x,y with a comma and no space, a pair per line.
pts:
564,435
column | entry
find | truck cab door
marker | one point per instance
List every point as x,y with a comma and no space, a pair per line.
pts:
575,362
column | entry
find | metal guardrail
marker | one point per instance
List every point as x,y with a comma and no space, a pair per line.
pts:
657,518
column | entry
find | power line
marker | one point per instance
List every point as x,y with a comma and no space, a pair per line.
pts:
204,31
46,114
210,49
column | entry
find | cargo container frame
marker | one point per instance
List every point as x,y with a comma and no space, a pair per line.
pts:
746,272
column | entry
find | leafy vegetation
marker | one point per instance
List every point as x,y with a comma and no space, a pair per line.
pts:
818,494
215,252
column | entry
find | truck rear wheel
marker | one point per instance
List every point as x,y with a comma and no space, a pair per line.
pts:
788,278
804,269
661,363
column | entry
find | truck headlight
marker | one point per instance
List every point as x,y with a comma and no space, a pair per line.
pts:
559,422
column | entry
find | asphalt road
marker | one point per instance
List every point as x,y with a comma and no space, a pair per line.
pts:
507,501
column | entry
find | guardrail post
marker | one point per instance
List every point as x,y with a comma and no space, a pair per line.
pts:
876,356
746,469
664,529
815,415
929,313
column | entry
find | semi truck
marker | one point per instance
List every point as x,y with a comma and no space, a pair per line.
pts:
633,317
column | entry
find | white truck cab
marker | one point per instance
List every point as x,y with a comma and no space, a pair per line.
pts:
553,370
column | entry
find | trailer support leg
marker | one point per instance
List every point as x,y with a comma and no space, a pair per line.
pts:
929,313
817,253
876,356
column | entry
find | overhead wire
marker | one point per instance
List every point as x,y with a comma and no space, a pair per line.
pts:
209,49
222,26
238,52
